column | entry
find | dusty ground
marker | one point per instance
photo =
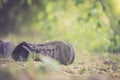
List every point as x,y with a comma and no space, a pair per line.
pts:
86,67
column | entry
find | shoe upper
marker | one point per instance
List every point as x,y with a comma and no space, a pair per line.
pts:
59,50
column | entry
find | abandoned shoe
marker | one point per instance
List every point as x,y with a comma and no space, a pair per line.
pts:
6,48
58,50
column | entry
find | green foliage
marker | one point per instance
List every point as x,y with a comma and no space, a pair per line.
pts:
91,25
84,25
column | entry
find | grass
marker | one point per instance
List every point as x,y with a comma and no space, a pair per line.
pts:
87,66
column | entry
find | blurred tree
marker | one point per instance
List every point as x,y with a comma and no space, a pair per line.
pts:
15,13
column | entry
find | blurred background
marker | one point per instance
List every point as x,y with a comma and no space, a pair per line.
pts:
89,25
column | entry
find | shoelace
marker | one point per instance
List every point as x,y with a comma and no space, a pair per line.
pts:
42,49
46,51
